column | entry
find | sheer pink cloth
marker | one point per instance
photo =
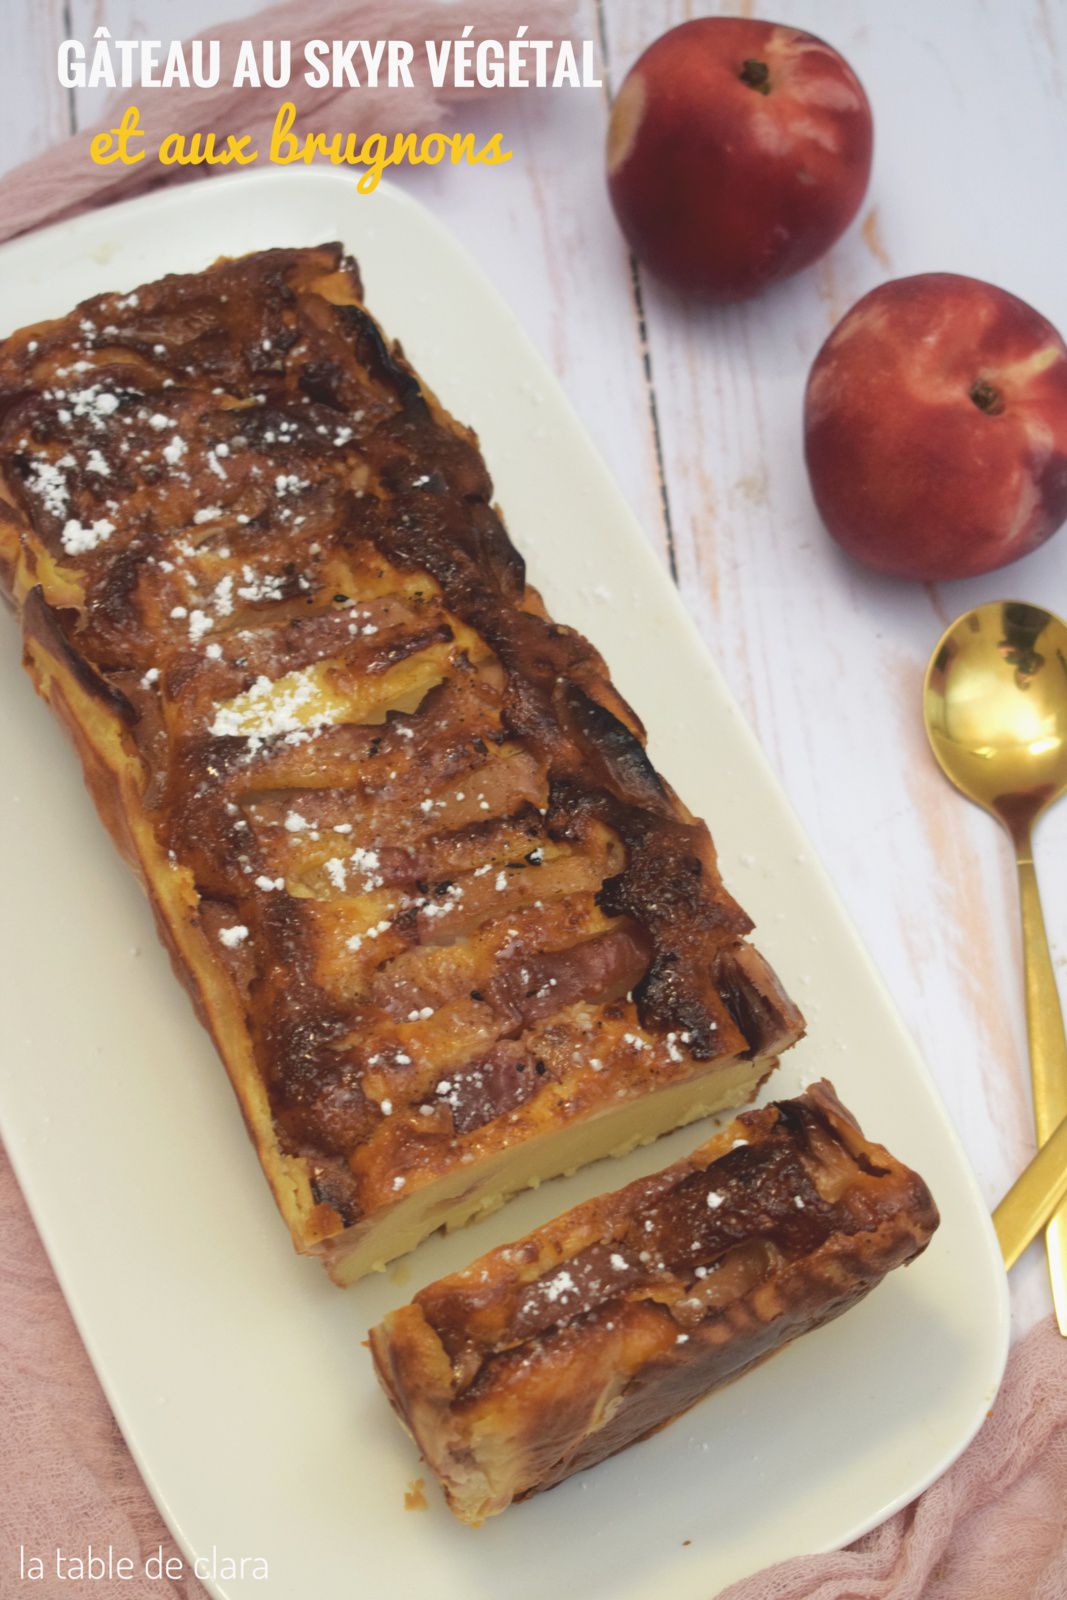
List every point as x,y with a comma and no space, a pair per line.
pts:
993,1528
63,180
66,1476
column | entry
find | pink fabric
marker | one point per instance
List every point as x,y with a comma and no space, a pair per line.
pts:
63,180
66,1476
993,1528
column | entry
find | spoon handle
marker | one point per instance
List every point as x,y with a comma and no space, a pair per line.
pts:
1032,1198
1048,1055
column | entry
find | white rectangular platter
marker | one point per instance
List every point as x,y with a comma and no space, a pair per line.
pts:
235,1369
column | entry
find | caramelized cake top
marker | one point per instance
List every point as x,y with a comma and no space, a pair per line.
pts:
550,1353
421,826
689,1240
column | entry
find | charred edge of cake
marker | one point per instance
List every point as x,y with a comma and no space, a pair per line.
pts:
621,755
44,624
820,1105
756,1001
594,760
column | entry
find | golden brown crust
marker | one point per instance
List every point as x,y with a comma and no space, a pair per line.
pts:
399,831
551,1353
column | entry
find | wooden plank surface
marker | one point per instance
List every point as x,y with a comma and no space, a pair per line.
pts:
37,112
825,659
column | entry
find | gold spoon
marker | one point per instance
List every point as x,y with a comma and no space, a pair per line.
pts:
1032,1198
995,706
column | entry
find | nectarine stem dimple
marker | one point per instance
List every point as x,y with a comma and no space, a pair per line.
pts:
985,397
757,74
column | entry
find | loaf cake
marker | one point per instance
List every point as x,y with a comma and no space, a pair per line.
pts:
552,1353
451,932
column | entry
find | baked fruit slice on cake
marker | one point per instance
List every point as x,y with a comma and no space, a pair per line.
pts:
551,1353
451,932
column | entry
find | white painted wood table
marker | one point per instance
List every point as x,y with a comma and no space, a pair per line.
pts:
698,413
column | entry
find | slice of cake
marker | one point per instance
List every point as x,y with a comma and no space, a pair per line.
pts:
549,1354
451,932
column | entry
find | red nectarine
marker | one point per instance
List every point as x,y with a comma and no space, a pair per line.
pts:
738,151
935,428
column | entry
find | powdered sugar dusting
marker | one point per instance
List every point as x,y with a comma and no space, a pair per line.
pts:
270,708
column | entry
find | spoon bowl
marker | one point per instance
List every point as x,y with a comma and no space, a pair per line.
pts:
995,704
995,707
